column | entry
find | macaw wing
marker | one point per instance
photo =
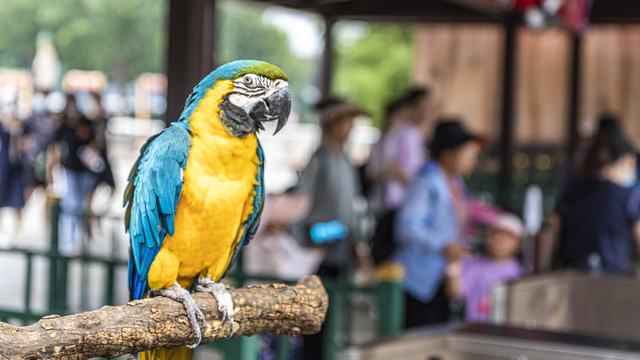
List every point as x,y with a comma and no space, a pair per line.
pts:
258,200
151,196
249,227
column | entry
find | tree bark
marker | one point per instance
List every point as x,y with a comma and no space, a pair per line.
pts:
159,322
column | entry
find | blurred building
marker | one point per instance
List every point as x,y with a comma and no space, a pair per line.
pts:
463,64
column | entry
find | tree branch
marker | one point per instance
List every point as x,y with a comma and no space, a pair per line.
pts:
161,323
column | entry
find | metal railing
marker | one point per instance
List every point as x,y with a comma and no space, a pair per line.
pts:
58,273
388,306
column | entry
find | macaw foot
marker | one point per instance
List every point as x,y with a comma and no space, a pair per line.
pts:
219,291
196,319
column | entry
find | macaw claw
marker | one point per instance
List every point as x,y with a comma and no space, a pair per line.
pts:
222,296
196,319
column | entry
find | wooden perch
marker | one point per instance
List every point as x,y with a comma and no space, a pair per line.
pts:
161,323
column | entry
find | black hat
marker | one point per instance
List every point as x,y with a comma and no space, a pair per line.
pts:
415,94
450,134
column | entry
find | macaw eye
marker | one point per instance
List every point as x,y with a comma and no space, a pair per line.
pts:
248,80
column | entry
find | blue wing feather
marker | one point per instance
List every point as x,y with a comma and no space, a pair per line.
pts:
152,197
258,200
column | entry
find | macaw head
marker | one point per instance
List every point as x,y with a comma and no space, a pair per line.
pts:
255,92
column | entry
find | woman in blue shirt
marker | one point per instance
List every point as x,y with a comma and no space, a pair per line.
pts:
429,226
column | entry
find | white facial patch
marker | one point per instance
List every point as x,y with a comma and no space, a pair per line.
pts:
242,100
250,88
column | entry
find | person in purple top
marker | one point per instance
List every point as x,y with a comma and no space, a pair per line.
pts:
395,161
474,279
401,152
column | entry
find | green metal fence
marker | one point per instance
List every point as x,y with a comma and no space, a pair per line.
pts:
388,307
58,274
387,296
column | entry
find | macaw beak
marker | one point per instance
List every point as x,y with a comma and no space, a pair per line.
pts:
275,106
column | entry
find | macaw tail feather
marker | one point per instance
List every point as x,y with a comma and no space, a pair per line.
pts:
179,353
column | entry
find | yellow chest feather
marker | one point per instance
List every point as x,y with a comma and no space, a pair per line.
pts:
215,199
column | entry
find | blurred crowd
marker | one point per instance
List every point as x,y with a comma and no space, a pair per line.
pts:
452,248
65,153
405,213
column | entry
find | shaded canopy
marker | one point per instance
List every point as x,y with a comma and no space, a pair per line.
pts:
450,11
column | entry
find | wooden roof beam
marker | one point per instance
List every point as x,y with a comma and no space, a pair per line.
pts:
397,10
481,6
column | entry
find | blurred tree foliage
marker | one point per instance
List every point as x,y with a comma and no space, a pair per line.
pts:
243,35
127,37
121,37
375,69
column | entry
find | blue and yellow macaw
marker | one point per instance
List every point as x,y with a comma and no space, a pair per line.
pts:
196,192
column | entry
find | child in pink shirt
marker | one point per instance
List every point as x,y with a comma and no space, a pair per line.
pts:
473,280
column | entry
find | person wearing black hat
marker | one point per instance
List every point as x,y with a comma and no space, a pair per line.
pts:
429,227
